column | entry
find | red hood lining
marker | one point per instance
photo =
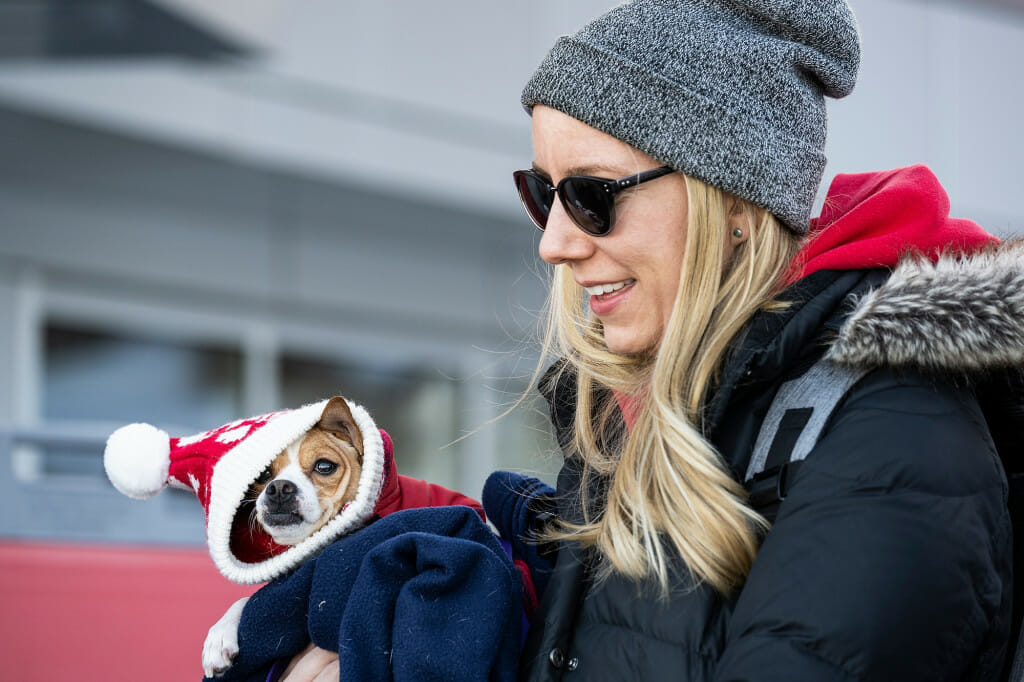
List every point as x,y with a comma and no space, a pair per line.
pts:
872,220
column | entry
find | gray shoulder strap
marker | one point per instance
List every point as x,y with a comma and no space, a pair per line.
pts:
812,396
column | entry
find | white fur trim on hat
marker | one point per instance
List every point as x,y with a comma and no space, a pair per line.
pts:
137,458
238,468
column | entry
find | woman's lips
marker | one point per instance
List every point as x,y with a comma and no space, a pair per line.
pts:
610,297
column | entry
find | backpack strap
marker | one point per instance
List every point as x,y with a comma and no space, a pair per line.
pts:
791,428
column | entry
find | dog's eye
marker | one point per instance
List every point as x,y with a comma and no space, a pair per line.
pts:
265,476
325,467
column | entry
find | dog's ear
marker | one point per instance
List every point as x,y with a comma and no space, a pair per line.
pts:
338,420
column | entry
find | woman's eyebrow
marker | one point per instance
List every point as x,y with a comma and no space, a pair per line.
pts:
595,169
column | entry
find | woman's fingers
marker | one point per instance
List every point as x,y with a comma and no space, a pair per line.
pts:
312,665
329,673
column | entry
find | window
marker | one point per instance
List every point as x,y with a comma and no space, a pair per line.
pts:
102,379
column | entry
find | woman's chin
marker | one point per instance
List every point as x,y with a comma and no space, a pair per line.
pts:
627,342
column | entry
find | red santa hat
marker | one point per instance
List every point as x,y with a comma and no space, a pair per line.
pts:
219,465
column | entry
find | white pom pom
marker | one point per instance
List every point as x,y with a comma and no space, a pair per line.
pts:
137,460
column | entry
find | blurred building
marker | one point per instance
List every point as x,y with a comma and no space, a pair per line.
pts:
211,212
215,209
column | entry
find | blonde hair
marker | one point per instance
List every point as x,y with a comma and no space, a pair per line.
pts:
670,492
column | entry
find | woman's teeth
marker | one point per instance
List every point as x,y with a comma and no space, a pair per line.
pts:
599,289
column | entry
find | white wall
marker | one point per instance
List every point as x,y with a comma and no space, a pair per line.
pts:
411,93
941,84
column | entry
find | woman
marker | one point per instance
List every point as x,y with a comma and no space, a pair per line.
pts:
686,292
889,557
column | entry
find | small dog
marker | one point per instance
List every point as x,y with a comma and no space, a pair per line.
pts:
306,485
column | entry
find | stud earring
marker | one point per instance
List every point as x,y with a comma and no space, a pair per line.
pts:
738,233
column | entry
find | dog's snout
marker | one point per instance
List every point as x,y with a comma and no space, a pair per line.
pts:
280,491
280,504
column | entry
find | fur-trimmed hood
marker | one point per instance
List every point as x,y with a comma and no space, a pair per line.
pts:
961,314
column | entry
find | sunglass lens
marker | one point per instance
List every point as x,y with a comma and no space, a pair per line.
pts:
536,195
588,204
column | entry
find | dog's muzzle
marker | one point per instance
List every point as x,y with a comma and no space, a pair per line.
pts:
282,503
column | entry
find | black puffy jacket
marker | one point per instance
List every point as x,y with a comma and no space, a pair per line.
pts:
889,559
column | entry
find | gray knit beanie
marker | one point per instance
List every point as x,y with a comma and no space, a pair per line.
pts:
728,91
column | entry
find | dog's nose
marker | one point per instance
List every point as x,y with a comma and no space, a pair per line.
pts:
280,491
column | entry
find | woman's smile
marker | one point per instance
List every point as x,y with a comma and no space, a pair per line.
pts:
604,298
601,289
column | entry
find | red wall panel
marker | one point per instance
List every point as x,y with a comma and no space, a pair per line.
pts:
93,612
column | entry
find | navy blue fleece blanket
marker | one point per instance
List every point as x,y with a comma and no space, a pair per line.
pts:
419,595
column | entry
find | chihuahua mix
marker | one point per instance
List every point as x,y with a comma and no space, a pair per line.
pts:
306,485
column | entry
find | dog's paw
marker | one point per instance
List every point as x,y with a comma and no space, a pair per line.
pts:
221,645
219,650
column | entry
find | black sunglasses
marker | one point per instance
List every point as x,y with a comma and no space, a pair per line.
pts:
590,202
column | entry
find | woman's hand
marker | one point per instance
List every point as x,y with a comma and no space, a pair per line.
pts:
312,665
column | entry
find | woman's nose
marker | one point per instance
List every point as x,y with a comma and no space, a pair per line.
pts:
563,241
